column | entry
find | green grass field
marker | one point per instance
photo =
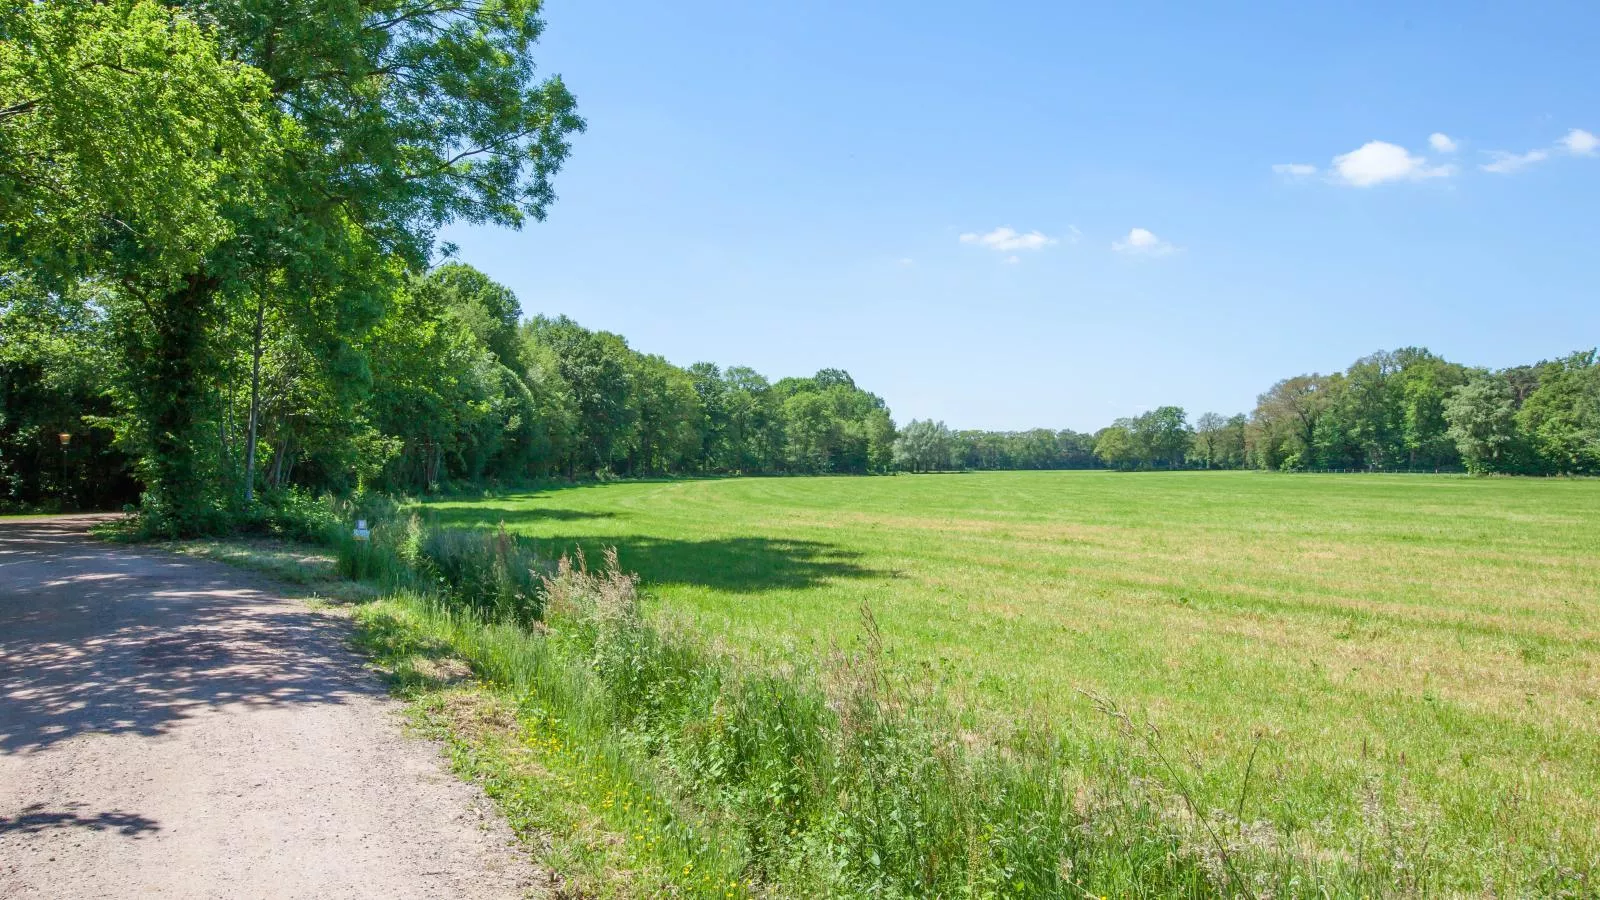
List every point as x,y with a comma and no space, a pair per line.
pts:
1416,657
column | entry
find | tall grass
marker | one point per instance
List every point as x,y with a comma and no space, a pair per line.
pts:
840,779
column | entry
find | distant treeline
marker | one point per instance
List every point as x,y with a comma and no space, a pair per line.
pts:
1401,411
446,387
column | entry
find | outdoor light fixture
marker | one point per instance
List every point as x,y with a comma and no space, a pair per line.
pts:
65,438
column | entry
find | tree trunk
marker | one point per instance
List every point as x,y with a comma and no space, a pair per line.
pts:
169,361
255,403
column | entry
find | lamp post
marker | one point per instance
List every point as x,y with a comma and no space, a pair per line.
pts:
66,438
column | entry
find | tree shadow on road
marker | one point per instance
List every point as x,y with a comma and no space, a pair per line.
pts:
108,640
38,817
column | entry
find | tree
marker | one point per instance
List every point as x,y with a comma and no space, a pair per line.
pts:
670,418
490,310
1163,436
595,367
1116,447
1285,422
130,146
1482,417
755,427
1209,431
923,446
831,425
125,137
1562,417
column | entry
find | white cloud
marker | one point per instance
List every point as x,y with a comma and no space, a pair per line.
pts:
1504,163
1295,170
1376,162
1013,260
1441,142
906,261
1007,240
1143,241
1580,143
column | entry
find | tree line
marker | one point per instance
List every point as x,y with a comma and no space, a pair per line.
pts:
1402,411
448,388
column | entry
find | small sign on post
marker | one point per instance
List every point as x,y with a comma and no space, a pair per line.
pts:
362,532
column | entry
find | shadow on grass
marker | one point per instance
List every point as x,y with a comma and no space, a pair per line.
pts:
739,565
478,516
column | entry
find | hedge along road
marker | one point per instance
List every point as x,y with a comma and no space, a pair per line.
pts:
177,728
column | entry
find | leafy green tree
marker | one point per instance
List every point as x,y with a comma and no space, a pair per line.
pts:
923,446
831,425
594,365
755,434
1209,431
130,146
1116,447
126,138
1562,417
1426,382
1284,425
488,309
670,417
1482,415
1163,437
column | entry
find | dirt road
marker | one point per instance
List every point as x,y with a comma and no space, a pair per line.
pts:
176,728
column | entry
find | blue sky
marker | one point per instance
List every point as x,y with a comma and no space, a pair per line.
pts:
793,186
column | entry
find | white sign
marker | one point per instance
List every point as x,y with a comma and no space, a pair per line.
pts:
362,532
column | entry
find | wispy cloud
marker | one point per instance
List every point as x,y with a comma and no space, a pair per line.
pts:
1295,170
1377,162
1576,142
1503,163
1142,241
1380,162
1009,240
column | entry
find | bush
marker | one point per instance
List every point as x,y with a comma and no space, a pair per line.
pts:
490,573
292,514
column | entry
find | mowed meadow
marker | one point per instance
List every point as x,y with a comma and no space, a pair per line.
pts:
1407,665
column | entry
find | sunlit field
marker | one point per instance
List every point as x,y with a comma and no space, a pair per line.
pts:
1409,656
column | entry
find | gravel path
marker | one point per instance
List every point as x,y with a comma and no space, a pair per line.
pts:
176,728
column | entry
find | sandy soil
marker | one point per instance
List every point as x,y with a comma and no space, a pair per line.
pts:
176,728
